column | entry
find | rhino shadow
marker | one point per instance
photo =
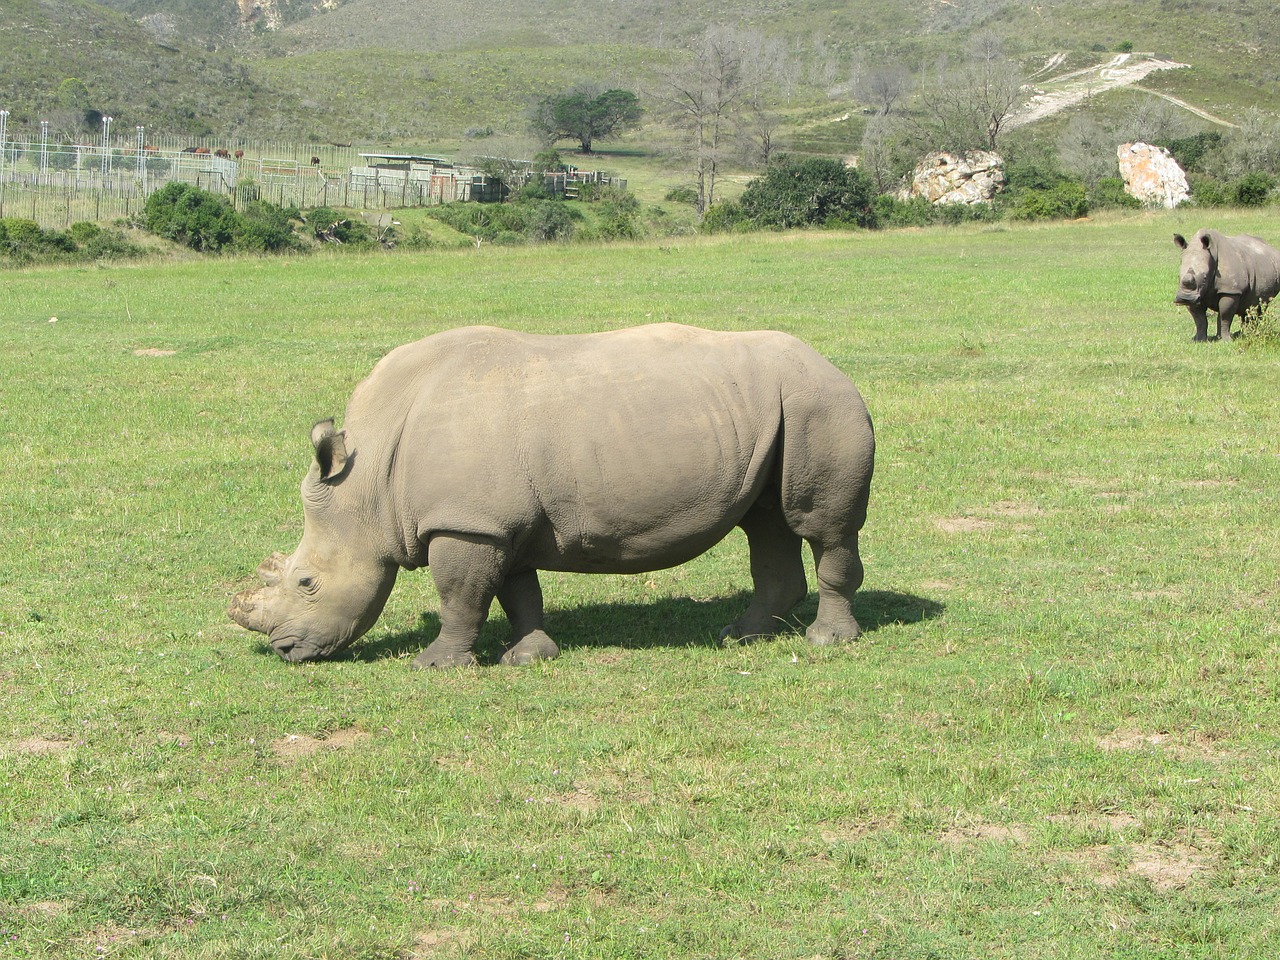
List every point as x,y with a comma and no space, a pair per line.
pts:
664,622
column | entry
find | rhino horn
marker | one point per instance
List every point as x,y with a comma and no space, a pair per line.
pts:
247,610
271,570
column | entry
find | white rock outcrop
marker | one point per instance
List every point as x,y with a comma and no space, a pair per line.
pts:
949,178
1151,175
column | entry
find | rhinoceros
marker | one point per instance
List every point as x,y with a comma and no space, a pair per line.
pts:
489,455
1231,275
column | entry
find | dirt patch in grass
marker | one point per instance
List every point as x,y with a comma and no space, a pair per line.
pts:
1197,745
1104,821
36,745
1017,509
834,833
1165,866
994,832
153,352
440,943
297,745
963,524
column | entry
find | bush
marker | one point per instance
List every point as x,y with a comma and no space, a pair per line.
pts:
726,216
813,191
1066,201
207,222
1207,191
685,194
1109,194
192,217
23,241
520,221
329,226
1189,151
1253,189
889,211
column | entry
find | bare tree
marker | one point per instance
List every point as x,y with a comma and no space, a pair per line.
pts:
703,98
969,106
1087,149
883,86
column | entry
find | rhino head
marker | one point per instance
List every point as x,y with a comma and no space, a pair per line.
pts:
325,595
1198,271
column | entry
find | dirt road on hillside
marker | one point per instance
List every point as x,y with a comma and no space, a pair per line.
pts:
1054,93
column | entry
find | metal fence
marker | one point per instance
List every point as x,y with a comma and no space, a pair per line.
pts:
57,185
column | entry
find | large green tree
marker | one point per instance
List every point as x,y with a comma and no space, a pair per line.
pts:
586,116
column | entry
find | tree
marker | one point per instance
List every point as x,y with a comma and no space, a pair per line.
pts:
969,106
884,86
586,116
720,100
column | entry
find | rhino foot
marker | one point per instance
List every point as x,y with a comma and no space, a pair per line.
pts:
430,659
825,635
534,647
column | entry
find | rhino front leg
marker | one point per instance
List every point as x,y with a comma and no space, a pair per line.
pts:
1227,308
1200,318
521,599
777,573
839,569
467,572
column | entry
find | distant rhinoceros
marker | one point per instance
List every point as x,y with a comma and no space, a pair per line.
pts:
490,455
1230,275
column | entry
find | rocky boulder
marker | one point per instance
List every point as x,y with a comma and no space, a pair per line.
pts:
1151,175
948,178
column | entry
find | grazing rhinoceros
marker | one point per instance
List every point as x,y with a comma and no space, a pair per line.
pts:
1231,275
489,455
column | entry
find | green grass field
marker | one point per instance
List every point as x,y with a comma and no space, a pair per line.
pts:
1059,737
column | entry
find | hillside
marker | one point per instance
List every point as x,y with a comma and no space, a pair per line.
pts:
431,70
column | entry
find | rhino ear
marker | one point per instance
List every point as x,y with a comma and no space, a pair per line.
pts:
331,449
1180,240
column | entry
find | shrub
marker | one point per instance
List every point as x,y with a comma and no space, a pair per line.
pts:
918,212
724,217
549,221
812,191
1253,189
1189,151
329,226
1261,329
23,241
207,222
1065,201
1109,194
685,194
1207,191
263,227
190,216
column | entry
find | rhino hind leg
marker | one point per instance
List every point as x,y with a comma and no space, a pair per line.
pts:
468,572
777,573
839,569
521,598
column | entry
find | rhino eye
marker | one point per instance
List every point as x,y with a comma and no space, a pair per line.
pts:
307,583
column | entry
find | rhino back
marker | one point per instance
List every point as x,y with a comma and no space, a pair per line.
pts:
620,451
1247,266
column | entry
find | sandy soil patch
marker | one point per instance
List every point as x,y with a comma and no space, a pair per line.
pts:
297,745
153,352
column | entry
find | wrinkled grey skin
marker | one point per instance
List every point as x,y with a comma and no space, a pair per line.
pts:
490,455
1230,275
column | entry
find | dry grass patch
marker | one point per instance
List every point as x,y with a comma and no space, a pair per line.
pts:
38,745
